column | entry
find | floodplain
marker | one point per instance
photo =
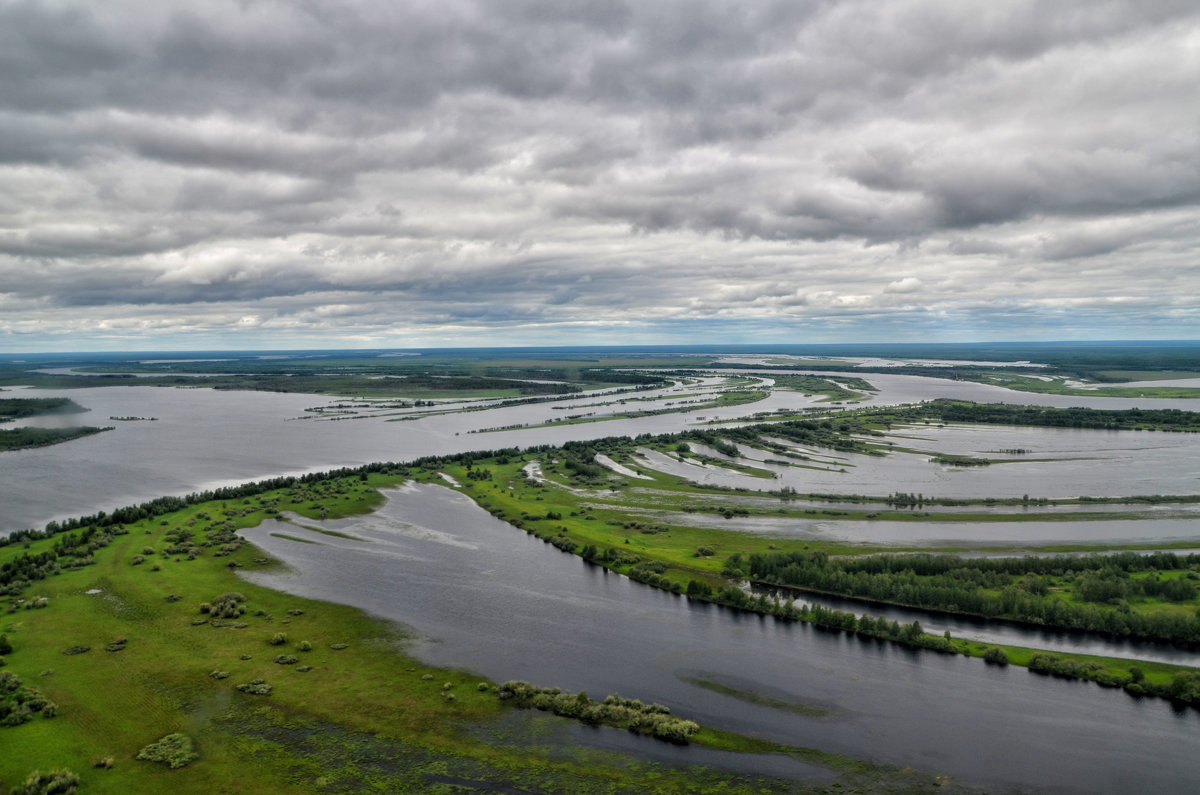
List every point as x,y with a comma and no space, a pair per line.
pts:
649,562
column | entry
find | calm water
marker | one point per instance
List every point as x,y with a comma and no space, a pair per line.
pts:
490,598
486,596
1084,463
1181,533
204,438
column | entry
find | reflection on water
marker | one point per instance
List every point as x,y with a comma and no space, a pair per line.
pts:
205,438
1184,532
510,606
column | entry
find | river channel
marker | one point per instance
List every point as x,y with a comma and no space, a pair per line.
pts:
483,595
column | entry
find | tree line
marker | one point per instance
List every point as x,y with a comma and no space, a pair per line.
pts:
1010,588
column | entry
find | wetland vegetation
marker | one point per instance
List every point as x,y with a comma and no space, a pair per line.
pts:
221,669
12,409
143,606
19,408
22,438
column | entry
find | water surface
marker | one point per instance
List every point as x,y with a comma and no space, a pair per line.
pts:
488,597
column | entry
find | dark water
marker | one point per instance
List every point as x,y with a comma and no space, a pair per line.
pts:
488,597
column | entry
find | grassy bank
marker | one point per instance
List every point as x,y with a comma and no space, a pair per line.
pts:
148,632
575,508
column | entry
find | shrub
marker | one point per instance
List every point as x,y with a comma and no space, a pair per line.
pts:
49,782
996,656
228,605
278,639
174,750
257,687
305,646
286,659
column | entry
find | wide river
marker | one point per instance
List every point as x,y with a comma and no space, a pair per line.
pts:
485,596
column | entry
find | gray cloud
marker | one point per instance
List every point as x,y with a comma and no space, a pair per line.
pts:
253,172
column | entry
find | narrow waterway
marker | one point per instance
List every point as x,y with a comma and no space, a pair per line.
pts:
483,595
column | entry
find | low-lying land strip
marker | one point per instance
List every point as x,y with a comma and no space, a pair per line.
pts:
237,687
586,509
141,610
21,408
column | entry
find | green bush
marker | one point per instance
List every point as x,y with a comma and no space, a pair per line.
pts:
49,782
228,605
174,750
257,687
278,639
996,656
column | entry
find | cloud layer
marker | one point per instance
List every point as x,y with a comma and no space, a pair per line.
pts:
269,174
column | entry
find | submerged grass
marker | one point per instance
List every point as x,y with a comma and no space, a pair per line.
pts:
760,699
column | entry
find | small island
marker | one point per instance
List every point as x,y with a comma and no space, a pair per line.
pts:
20,408
21,438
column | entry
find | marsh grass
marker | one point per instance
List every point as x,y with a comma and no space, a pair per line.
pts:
181,673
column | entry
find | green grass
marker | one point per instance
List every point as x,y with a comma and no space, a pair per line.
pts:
1147,375
1058,387
588,519
366,716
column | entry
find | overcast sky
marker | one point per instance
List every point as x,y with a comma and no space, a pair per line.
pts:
388,174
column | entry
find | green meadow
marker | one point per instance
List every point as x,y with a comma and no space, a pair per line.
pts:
153,634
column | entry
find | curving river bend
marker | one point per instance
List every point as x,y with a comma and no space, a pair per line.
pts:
486,596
